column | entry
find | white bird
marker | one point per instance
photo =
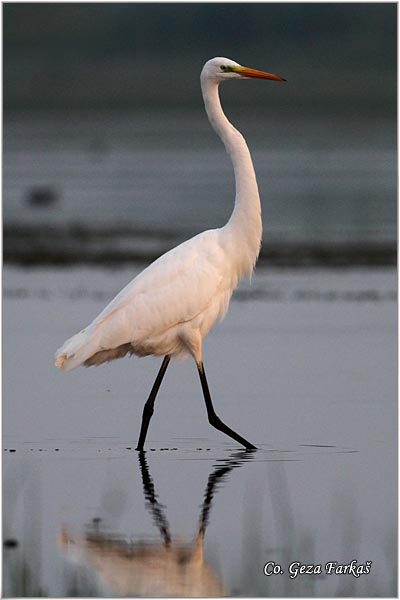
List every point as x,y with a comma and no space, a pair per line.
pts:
169,308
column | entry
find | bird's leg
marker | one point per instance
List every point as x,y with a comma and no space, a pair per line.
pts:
152,503
149,406
213,419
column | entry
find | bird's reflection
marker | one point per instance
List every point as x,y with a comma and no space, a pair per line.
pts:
172,568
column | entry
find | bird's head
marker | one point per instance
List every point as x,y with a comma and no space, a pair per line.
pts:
221,69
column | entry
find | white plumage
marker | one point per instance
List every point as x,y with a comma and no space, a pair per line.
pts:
169,308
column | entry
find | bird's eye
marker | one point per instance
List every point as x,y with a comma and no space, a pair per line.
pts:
223,68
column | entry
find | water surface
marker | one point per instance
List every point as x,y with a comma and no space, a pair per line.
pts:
304,366
330,179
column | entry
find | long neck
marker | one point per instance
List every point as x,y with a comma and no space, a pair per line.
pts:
245,225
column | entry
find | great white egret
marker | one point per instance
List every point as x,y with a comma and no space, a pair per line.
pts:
169,308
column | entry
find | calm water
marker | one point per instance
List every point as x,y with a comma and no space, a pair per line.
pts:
331,179
304,366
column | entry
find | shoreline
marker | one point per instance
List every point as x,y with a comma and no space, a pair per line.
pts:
38,245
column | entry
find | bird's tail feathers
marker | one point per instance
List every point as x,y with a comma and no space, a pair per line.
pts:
76,350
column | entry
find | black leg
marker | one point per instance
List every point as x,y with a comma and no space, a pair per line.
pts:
212,417
152,503
149,406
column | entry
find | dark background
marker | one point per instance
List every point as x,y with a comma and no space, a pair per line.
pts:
98,55
105,133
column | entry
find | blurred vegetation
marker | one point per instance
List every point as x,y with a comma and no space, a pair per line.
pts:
267,535
59,55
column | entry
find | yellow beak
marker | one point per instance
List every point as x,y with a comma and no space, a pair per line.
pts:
246,72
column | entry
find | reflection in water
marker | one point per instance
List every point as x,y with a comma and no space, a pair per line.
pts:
146,568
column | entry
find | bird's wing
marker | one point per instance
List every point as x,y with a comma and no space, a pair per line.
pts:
173,289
